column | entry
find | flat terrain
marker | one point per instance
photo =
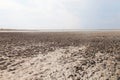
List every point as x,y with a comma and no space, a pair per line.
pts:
85,55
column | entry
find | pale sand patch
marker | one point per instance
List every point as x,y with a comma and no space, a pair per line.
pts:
43,66
62,64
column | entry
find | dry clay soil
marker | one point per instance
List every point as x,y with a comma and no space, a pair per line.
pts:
69,63
63,64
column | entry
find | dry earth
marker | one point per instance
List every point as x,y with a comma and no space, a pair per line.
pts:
57,63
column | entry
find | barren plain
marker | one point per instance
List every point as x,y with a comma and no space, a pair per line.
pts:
85,55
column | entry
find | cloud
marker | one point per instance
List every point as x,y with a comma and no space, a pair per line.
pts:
40,14
9,4
60,14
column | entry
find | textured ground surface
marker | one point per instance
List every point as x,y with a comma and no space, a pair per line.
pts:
72,56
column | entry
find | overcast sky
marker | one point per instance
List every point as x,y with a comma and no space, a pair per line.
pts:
60,14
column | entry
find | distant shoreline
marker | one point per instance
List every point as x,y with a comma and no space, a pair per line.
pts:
55,30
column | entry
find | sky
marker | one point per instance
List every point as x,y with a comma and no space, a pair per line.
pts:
60,14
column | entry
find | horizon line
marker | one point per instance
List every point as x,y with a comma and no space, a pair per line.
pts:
54,30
